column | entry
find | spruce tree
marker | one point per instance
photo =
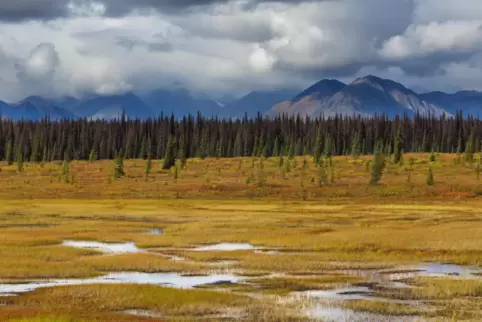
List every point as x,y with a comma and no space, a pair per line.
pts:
20,161
291,152
203,144
332,173
143,150
321,174
267,149
181,153
398,146
169,157
459,143
287,166
299,147
469,149
304,168
430,180
317,148
261,146
35,153
356,147
9,153
276,148
328,147
459,148
175,173
119,166
255,147
45,156
92,155
377,166
66,170
148,166
261,175
220,152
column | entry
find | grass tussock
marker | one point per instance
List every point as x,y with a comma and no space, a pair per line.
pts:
384,308
286,285
81,299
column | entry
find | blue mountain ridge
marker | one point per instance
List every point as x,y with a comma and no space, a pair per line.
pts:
364,96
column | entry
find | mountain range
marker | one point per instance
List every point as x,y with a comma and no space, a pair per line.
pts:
364,96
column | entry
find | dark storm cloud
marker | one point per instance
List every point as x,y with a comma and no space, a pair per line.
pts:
339,71
429,65
119,7
19,10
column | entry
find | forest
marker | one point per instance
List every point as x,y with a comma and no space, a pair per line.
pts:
198,136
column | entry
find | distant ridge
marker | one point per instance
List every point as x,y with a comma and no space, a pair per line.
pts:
309,101
365,96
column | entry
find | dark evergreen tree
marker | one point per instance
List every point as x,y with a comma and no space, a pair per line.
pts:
291,151
9,152
201,151
220,151
20,161
169,157
148,166
398,146
469,149
92,155
356,147
430,179
181,153
328,147
143,150
276,148
317,148
119,166
377,165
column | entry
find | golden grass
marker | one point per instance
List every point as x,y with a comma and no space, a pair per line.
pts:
443,289
383,308
79,299
226,179
286,285
76,303
338,227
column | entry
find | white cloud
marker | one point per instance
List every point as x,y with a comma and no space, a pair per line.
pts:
234,47
260,60
434,37
41,63
86,9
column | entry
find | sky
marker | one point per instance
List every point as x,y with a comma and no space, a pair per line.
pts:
219,47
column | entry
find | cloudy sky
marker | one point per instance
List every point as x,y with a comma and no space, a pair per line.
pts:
77,47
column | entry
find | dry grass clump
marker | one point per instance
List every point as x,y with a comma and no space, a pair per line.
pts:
384,308
79,301
286,285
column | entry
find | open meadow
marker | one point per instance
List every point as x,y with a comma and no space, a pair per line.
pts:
248,239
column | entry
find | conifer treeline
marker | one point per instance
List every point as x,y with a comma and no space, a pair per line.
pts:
196,136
